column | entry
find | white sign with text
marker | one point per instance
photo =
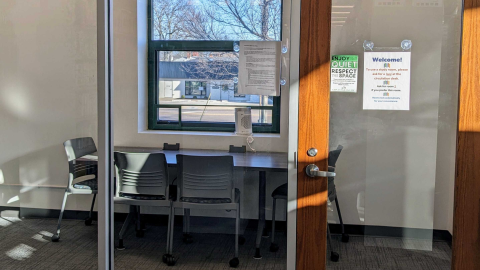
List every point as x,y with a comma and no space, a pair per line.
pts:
259,68
386,82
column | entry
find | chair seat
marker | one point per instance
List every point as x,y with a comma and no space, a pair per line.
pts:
91,184
211,200
142,196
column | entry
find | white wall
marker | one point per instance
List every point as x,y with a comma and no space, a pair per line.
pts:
47,95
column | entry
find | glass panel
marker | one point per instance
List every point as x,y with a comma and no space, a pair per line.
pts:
168,114
397,128
196,78
221,114
216,20
219,183
48,115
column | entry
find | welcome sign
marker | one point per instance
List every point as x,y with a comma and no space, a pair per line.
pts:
344,73
386,82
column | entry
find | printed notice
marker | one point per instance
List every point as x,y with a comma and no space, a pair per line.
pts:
259,68
386,82
344,73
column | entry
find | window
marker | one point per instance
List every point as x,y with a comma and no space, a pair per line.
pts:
193,68
195,88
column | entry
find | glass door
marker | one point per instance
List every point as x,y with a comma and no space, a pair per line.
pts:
393,115
205,170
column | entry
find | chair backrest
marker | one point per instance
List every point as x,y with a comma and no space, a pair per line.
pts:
142,173
332,161
209,177
79,147
333,156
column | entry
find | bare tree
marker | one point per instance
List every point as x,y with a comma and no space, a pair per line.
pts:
198,26
247,18
233,20
168,19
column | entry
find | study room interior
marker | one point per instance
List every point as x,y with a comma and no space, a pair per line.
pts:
207,134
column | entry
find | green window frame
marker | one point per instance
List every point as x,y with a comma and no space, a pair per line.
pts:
154,47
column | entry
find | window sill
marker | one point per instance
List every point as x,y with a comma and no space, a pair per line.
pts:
207,133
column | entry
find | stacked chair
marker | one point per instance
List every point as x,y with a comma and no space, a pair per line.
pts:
82,175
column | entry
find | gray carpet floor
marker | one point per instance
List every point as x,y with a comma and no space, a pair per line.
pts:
25,244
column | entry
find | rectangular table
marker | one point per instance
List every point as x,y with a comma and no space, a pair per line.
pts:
260,161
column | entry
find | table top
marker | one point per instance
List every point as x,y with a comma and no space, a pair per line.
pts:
259,161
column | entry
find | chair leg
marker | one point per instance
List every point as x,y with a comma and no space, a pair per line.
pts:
172,226
235,261
169,230
56,237
334,256
286,218
187,237
168,258
138,224
89,219
345,237
126,224
273,245
241,238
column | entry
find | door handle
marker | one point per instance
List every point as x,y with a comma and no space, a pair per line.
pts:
313,171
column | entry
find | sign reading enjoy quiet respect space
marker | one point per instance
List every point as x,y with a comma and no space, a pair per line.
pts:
344,73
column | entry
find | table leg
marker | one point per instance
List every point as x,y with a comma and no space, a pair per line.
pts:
262,190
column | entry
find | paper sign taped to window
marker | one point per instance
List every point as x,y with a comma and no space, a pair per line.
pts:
259,68
344,73
386,81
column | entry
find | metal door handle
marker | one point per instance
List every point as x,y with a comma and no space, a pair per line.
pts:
313,171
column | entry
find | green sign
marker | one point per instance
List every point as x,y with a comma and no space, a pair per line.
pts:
344,73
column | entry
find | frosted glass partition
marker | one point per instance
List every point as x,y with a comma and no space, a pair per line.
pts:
48,95
395,171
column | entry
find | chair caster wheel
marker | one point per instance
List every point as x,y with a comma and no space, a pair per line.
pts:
241,240
187,238
55,238
169,259
139,233
345,238
274,247
234,262
88,221
120,245
334,256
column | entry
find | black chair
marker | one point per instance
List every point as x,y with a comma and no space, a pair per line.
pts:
206,182
143,181
281,193
82,176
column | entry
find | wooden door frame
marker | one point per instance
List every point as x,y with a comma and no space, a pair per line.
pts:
466,224
314,85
